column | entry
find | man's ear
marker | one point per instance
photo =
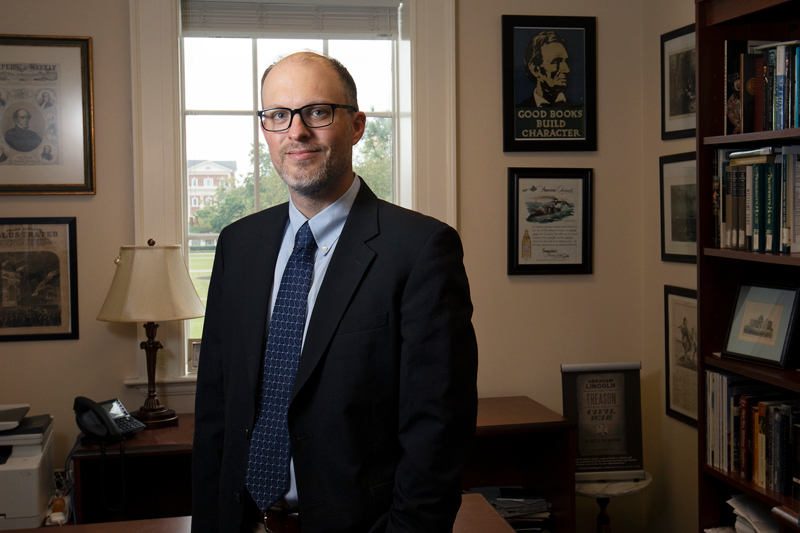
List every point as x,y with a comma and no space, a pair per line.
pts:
359,123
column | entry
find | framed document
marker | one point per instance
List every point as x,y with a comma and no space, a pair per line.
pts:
604,400
46,115
678,178
549,221
549,84
680,348
38,267
678,84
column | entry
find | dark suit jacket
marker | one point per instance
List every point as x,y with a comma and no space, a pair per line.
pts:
384,403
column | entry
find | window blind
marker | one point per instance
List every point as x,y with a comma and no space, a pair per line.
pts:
216,18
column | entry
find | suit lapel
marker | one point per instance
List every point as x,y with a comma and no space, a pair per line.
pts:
351,259
263,243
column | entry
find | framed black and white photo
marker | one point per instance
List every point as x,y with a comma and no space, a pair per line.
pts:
38,268
549,83
678,84
46,115
680,350
762,328
678,178
550,221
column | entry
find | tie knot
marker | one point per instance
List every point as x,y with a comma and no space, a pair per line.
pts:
304,238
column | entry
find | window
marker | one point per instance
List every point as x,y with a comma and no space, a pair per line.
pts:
221,126
194,201
208,182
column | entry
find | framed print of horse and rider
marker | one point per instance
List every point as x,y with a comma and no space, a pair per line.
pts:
680,334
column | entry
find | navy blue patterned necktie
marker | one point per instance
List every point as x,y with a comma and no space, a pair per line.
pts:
268,466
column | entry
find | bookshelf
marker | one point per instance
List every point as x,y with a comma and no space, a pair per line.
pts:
719,272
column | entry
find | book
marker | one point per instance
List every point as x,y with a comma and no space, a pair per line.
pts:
752,160
747,68
769,89
733,107
733,204
715,214
741,225
785,207
770,208
766,150
758,99
748,233
780,86
758,208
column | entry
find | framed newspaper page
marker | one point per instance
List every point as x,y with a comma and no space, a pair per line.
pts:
680,352
678,84
549,83
46,115
38,279
604,400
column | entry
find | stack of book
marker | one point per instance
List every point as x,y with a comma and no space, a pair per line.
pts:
754,199
752,430
761,89
523,509
752,516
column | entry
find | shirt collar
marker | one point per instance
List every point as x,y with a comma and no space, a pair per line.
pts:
540,101
327,225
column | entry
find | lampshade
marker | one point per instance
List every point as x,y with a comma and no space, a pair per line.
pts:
151,284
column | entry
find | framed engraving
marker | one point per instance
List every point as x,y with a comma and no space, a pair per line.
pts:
678,84
680,351
46,115
39,276
549,83
678,178
549,221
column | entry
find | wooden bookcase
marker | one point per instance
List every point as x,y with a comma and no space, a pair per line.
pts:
719,272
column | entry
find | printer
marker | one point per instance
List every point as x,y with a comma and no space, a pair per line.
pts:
26,468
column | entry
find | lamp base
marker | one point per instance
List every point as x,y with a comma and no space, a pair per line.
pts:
161,418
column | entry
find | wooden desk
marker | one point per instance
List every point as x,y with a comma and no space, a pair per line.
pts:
518,442
158,473
475,516
521,442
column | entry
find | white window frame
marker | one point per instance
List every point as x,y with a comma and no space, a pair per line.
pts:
428,41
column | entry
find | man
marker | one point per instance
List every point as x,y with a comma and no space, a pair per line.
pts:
44,101
20,137
383,404
545,60
47,153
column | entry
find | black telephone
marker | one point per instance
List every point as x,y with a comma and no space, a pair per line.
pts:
105,422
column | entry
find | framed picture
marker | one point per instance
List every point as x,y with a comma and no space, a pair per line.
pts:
680,351
678,84
605,401
550,220
549,84
39,276
762,326
192,355
46,115
678,177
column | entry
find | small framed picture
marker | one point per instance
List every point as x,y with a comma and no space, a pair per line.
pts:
192,355
549,221
678,177
680,350
678,84
46,115
549,83
39,275
762,327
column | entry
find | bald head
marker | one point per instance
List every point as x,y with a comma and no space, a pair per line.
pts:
348,84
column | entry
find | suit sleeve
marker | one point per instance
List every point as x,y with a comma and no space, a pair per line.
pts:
438,392
209,408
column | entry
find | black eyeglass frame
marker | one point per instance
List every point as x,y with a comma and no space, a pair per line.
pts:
299,111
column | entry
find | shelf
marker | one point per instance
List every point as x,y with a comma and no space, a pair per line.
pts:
741,255
785,379
789,136
725,10
770,497
787,516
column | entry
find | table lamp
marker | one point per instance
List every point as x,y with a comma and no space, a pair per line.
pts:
151,284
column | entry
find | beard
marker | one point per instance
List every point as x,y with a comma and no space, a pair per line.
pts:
311,179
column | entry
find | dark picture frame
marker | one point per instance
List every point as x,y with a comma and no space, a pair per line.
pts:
46,115
678,185
762,326
39,270
550,221
680,353
544,108
678,84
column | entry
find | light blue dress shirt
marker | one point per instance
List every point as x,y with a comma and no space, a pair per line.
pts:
326,226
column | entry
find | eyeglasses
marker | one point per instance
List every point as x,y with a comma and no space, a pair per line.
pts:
312,115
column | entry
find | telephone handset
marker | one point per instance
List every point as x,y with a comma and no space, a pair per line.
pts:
105,422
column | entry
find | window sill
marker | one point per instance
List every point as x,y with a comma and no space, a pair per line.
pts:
175,386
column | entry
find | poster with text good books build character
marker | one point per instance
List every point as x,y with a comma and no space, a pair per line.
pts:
549,84
604,400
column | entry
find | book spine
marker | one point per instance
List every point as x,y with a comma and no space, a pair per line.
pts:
794,186
715,208
748,91
762,445
769,92
749,207
758,99
745,442
742,224
756,445
770,203
797,87
735,435
726,204
785,225
758,212
784,446
733,219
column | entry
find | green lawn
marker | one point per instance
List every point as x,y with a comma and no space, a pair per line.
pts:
200,264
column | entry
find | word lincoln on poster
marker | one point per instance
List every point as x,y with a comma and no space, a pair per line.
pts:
605,402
